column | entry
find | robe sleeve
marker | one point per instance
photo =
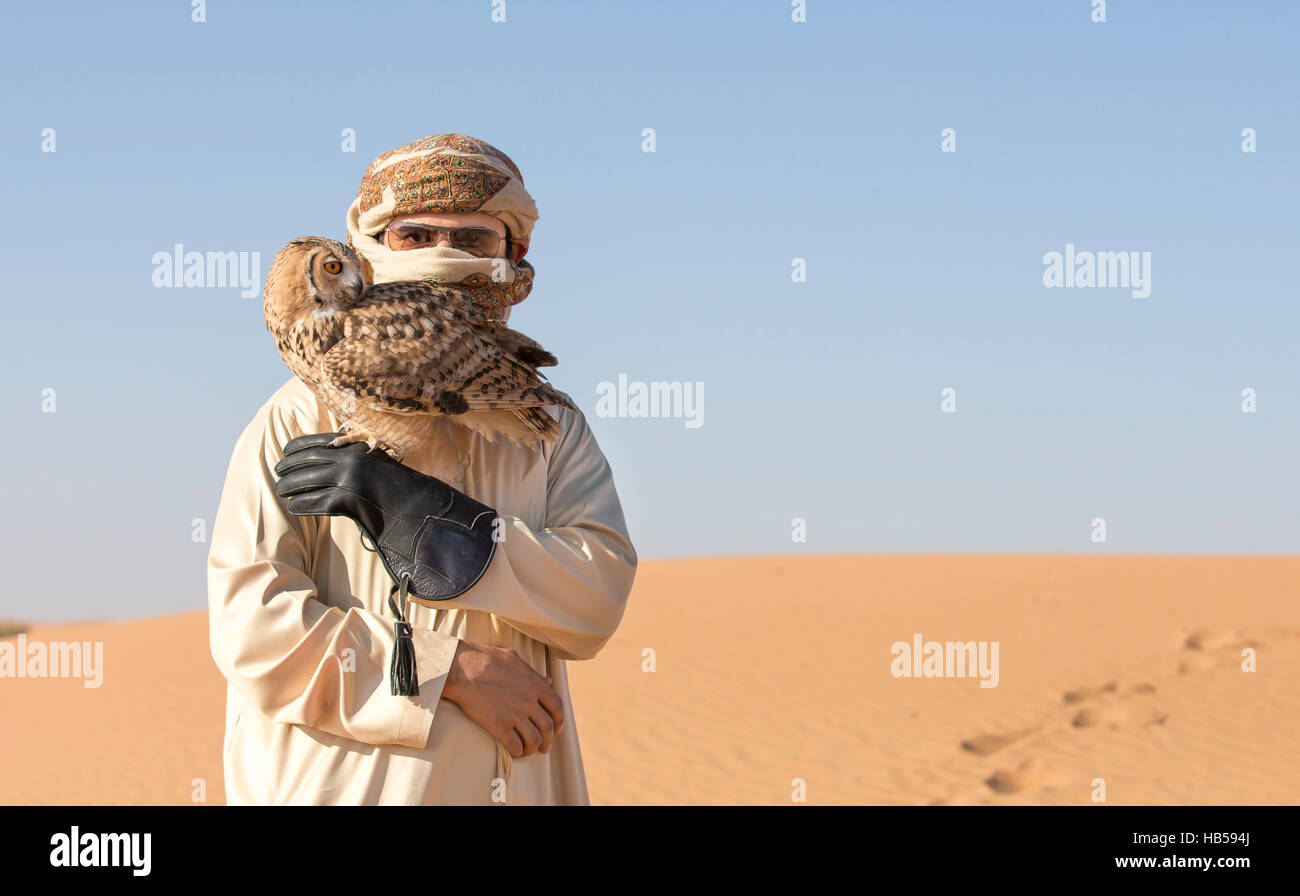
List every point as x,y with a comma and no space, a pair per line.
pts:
293,657
567,583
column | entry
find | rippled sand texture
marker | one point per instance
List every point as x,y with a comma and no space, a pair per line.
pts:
1122,673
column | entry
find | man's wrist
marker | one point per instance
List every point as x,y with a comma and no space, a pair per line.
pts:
455,680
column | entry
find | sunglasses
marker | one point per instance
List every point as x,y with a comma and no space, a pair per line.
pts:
403,235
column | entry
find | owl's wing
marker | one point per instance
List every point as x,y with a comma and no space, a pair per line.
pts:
519,345
413,349
459,307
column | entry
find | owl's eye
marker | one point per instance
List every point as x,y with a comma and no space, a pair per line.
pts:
333,266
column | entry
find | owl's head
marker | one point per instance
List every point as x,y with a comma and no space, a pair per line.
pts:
314,276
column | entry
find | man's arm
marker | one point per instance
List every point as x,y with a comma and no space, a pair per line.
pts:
564,585
567,583
293,657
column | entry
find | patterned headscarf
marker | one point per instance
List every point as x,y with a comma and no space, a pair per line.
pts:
446,174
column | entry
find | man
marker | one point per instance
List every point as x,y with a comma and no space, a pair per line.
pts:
299,622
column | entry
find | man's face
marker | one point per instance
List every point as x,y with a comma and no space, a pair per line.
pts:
420,239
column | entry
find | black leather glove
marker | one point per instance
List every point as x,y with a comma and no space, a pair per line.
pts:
420,525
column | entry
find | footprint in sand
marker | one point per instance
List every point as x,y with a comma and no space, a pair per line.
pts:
985,744
1210,639
1205,649
1115,716
1078,695
1108,705
1027,775
1086,718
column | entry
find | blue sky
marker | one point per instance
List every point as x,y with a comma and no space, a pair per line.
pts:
775,141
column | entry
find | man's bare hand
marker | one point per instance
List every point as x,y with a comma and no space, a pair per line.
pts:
502,693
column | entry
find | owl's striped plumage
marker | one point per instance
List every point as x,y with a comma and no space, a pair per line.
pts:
388,358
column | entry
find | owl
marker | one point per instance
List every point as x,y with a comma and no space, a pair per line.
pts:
388,359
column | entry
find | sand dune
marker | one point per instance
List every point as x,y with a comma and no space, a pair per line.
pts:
1127,670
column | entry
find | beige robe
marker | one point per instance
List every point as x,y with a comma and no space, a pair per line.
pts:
300,627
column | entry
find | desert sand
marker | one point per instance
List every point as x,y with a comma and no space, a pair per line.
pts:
770,671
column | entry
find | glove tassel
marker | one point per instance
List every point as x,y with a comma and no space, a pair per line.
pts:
402,675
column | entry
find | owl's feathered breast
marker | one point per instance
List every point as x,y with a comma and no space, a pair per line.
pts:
306,341
404,348
413,350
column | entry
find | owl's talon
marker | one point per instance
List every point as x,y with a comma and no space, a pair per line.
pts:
349,436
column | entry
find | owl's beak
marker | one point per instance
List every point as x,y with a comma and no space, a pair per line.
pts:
354,286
